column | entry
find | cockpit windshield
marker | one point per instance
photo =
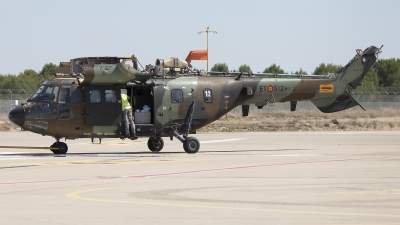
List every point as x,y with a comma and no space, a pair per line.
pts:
37,92
45,93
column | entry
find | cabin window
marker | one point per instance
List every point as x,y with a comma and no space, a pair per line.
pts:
95,96
75,94
207,95
64,94
111,96
177,95
63,111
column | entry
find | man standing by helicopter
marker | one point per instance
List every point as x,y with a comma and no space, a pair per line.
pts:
127,115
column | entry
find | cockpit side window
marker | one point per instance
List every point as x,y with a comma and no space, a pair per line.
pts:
49,94
75,94
64,94
95,96
37,92
63,111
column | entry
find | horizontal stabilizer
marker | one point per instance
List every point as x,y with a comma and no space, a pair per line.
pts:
335,105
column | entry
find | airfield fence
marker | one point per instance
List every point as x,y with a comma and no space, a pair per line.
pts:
371,98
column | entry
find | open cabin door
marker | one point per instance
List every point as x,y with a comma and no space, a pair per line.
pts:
142,102
102,105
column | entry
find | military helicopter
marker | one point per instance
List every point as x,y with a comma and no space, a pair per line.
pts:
83,99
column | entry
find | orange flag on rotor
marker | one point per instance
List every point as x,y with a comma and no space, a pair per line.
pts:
197,55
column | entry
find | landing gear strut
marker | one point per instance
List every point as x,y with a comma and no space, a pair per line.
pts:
191,145
62,148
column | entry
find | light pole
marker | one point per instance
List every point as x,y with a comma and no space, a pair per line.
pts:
11,93
11,98
25,94
207,31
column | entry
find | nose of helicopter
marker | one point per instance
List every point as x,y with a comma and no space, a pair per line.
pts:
17,116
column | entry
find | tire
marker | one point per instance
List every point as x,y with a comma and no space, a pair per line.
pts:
55,145
155,144
191,145
62,148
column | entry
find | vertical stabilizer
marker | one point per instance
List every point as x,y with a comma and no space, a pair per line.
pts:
347,79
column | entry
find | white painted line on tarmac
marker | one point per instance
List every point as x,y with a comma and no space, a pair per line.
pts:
13,153
10,155
351,132
13,158
107,154
223,140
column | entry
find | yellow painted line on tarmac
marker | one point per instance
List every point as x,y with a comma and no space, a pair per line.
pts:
77,195
29,147
118,142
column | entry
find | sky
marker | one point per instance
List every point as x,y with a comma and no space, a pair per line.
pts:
292,34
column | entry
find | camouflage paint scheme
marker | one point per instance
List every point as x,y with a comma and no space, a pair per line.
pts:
329,93
230,92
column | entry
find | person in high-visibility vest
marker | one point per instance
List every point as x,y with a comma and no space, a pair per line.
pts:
126,112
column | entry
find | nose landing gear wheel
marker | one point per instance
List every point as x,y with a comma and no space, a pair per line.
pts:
155,144
62,148
191,145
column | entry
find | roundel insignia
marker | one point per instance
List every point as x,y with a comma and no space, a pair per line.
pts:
270,88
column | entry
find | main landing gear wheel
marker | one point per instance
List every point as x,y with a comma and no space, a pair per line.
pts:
155,144
191,145
62,148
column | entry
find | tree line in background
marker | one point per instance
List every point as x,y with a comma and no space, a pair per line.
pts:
384,73
27,80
